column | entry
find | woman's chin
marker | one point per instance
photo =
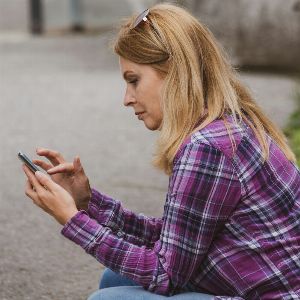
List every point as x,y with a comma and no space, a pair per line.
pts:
151,126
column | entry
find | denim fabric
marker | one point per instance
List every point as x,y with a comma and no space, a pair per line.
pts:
115,287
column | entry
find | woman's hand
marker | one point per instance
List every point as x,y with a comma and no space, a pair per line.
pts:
70,176
49,196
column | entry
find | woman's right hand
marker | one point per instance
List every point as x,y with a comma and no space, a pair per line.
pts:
70,176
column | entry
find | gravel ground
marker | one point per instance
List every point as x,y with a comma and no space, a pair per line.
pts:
66,93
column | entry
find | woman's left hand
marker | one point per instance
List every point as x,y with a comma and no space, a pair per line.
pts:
49,196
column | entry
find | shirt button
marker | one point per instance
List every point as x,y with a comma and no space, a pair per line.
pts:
119,234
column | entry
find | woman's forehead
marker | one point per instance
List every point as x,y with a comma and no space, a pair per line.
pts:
129,66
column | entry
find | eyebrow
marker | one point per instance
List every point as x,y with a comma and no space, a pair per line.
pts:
127,74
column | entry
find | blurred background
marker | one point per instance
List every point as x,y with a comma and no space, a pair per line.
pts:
60,87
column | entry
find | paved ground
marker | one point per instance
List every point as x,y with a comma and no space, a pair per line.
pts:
66,93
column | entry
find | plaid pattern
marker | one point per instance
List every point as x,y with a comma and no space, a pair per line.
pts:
230,226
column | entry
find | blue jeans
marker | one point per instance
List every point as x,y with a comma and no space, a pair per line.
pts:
115,287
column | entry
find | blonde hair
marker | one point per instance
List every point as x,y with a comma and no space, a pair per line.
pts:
198,80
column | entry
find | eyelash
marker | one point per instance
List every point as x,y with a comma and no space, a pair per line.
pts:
134,82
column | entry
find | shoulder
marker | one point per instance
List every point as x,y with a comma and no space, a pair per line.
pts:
216,136
205,159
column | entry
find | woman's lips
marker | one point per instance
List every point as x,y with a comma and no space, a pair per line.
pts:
140,114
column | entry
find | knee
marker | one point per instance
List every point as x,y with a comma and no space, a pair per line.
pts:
108,279
105,294
112,279
118,293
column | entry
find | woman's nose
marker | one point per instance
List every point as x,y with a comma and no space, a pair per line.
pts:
129,98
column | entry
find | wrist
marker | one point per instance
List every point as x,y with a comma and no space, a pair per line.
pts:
84,202
68,216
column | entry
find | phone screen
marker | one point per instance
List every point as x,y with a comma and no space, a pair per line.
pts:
28,162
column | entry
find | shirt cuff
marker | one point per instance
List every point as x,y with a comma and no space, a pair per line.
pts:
101,207
81,229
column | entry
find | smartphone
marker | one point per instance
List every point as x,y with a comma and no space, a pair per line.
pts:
28,162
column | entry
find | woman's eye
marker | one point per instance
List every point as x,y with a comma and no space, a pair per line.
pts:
133,81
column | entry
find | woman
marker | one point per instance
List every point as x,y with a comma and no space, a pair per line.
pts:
231,219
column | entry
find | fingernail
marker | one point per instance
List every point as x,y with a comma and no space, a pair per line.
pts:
38,174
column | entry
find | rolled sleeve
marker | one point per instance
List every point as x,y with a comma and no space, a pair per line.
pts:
109,212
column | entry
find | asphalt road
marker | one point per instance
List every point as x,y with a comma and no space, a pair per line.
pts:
65,93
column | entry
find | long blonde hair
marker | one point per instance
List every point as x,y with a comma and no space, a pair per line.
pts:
199,81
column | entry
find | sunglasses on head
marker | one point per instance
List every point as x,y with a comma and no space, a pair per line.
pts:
144,17
141,17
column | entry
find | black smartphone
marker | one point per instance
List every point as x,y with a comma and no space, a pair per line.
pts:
28,162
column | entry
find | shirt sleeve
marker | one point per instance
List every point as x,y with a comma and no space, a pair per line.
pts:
203,192
140,229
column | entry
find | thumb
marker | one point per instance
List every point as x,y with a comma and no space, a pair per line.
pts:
77,164
45,181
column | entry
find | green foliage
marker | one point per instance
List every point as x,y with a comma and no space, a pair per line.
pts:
293,129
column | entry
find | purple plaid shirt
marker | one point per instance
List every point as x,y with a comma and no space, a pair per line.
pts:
231,224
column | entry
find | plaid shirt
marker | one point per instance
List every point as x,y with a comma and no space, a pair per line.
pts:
231,224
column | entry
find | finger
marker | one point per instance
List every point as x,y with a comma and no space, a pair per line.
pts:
45,182
31,193
77,165
62,168
33,180
29,173
44,165
54,156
